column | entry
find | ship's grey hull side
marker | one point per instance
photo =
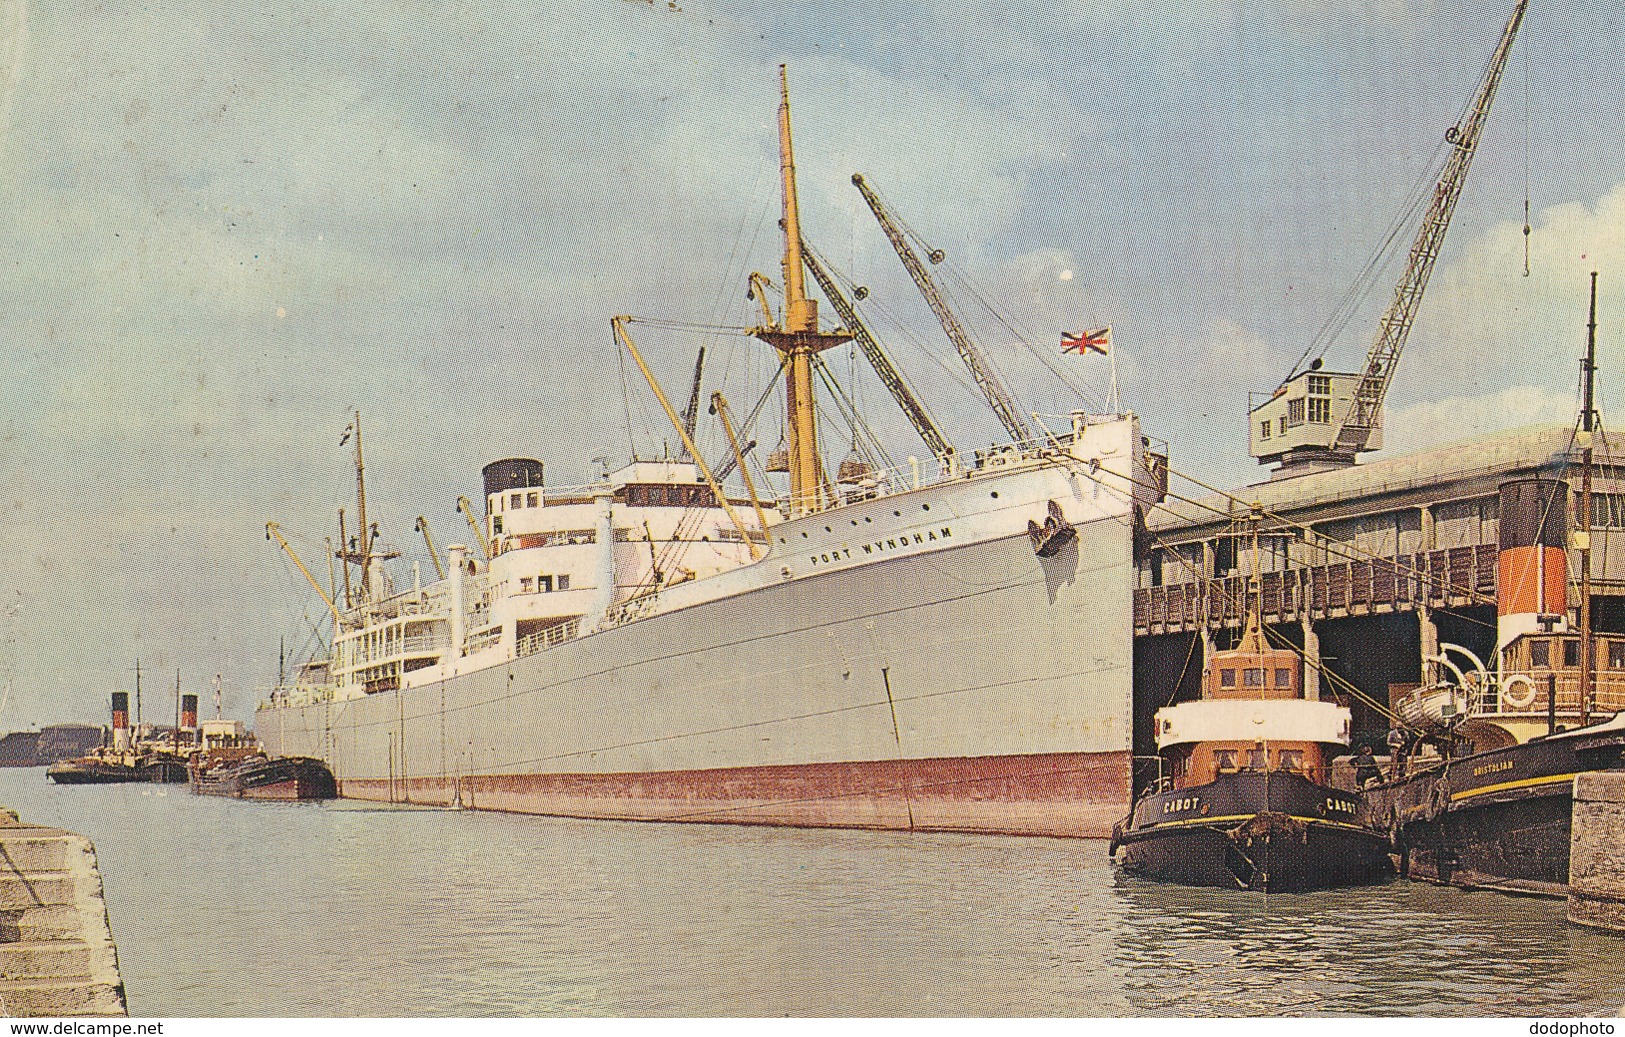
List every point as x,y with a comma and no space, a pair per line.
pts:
975,686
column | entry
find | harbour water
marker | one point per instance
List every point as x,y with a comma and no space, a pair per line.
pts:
230,908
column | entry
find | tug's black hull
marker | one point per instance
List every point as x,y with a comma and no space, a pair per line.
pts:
279,778
1498,819
1275,833
91,771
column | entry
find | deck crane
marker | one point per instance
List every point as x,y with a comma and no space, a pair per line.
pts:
987,380
467,508
428,541
691,413
915,411
1295,426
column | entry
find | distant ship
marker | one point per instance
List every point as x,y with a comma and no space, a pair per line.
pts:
942,647
124,759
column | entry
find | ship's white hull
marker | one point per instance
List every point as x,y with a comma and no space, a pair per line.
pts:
954,681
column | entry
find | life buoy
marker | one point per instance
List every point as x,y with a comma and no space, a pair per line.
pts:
1523,701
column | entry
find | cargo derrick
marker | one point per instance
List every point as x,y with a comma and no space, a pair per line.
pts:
467,508
422,526
1294,427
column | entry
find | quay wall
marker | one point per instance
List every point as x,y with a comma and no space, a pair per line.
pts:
1597,852
57,956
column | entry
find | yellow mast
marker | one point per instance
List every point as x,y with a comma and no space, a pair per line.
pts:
798,338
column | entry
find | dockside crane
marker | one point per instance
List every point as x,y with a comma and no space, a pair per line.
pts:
890,377
1295,426
981,369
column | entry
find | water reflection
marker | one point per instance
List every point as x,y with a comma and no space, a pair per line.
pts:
229,908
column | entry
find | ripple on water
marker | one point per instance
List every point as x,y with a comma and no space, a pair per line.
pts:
229,908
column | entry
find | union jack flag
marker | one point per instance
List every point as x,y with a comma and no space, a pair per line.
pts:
1098,340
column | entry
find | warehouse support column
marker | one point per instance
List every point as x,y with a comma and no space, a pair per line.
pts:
1311,661
1429,638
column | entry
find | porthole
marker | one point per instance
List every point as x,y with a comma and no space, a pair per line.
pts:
925,507
897,514
995,494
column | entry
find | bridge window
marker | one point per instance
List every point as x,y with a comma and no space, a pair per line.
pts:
1283,677
1227,678
1320,410
1264,429
533,500
1616,655
526,585
1253,677
1571,652
1258,759
1292,759
544,584
1225,760
513,501
563,581
1540,654
1294,413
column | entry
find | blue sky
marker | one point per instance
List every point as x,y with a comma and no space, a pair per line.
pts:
223,229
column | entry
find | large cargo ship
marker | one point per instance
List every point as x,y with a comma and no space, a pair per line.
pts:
945,647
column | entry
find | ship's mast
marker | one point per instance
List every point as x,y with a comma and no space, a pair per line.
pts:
1587,428
797,337
361,509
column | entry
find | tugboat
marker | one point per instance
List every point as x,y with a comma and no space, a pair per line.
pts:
1245,799
122,761
232,763
1486,800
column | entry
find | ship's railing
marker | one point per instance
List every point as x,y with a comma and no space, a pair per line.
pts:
357,652
551,637
1440,578
1537,693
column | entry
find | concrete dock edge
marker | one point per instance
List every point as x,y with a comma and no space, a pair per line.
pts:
57,956
1597,852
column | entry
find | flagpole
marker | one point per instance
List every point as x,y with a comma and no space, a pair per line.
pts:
1112,402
